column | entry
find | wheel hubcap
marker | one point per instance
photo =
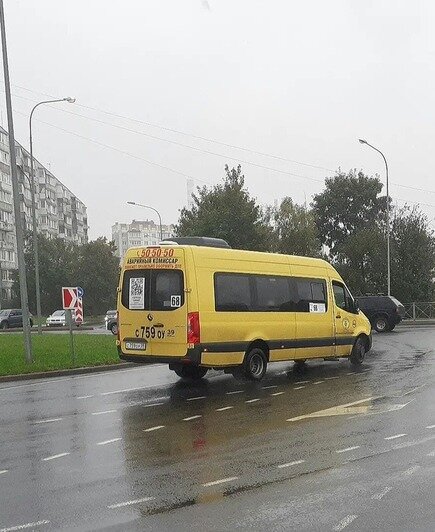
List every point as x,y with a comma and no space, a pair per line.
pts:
256,365
381,325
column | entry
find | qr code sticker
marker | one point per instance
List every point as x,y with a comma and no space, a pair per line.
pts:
137,293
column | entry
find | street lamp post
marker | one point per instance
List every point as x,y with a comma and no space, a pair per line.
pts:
34,224
16,198
362,141
153,209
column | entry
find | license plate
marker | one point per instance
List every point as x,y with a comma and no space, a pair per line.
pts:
136,346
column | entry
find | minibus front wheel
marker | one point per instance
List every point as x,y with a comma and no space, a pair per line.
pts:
254,366
358,352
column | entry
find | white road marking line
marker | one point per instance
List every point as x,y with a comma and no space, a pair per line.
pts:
381,494
129,503
395,437
85,396
344,522
330,378
191,418
318,382
252,400
411,470
27,525
235,391
60,455
48,420
347,449
289,464
220,481
103,412
351,373
224,408
276,393
302,382
153,404
124,390
108,441
196,398
333,411
3,471
430,427
298,387
269,387
157,427
430,454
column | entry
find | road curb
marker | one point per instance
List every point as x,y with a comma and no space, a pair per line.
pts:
65,372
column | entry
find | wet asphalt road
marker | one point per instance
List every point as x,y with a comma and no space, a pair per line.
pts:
328,449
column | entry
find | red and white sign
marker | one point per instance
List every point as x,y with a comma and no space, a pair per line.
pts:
69,298
79,311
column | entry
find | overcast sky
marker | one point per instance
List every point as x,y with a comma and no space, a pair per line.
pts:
298,80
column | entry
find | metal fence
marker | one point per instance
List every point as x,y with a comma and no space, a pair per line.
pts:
420,310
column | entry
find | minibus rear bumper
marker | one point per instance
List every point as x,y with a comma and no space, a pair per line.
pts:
193,356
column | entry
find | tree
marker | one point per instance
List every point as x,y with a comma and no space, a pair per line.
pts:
227,211
349,203
295,230
93,266
413,256
97,272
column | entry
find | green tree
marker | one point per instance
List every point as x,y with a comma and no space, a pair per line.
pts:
349,203
97,272
295,231
93,266
227,211
413,256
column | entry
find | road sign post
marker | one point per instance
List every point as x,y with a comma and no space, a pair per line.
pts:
70,302
71,335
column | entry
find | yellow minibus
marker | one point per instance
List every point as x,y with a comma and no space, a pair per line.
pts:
197,307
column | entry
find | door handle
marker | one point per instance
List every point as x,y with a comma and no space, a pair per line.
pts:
338,316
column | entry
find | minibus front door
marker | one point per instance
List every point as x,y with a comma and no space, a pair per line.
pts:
345,321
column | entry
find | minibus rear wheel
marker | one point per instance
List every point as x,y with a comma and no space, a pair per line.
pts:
254,366
358,352
190,372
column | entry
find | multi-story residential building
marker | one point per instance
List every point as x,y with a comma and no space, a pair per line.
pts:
59,212
138,233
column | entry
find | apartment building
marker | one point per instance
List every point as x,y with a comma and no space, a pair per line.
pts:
138,233
59,212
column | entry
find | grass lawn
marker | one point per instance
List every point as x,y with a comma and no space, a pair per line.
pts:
52,351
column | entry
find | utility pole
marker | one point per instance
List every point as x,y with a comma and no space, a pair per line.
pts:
15,190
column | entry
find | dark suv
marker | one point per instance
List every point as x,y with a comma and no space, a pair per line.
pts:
384,312
12,317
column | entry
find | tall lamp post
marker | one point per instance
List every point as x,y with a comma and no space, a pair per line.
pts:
34,225
16,191
362,141
153,209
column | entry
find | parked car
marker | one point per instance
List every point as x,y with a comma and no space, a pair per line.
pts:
384,312
111,320
12,317
58,318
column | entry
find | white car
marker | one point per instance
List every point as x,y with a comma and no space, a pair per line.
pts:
58,318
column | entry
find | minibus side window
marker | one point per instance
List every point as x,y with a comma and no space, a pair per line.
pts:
311,295
342,297
232,292
273,294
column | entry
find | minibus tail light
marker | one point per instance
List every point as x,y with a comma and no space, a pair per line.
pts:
193,328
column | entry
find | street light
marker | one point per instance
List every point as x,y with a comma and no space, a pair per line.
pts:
34,228
153,209
362,141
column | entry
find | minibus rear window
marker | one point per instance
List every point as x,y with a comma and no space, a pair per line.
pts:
153,290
